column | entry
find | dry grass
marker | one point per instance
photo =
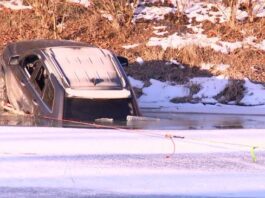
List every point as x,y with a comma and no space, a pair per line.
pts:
237,33
63,21
83,24
244,63
157,65
191,54
234,92
120,10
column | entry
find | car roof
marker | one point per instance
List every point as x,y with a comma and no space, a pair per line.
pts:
84,66
81,64
17,48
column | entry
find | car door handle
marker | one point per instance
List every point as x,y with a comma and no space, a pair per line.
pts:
35,102
22,83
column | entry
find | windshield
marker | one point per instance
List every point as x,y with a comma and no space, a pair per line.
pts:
90,110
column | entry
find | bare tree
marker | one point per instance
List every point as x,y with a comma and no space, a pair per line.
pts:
122,11
233,6
47,13
250,11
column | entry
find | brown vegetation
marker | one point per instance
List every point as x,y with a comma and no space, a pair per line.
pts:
234,92
57,19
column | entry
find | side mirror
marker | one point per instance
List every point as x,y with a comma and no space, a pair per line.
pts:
123,61
14,60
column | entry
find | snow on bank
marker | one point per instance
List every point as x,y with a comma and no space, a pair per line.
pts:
151,13
130,46
212,12
178,41
209,87
136,83
14,5
159,95
254,94
85,3
198,11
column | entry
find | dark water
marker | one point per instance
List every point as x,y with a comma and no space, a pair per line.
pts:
159,120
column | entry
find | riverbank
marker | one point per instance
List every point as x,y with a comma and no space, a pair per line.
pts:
181,57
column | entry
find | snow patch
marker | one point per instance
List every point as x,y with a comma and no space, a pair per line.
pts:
162,92
85,3
130,46
210,87
212,12
262,45
177,41
222,67
159,27
254,94
158,33
201,12
136,83
175,62
206,66
151,13
259,9
14,5
18,4
107,16
140,60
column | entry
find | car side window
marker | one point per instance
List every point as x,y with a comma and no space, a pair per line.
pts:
39,79
42,83
48,96
29,64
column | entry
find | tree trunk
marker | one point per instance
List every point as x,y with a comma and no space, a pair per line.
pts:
250,11
233,6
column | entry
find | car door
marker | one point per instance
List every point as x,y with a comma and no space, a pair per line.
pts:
17,82
39,82
47,94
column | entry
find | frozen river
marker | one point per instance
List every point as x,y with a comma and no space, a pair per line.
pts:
218,156
164,121
67,162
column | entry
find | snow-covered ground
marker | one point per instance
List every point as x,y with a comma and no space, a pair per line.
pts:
159,94
90,162
200,11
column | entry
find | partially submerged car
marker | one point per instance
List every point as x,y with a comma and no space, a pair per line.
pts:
67,80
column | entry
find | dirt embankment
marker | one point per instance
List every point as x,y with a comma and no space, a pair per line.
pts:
107,28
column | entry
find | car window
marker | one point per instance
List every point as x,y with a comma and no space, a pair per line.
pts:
48,96
42,83
29,64
39,77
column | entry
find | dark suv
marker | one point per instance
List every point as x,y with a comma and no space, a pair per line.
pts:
67,80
